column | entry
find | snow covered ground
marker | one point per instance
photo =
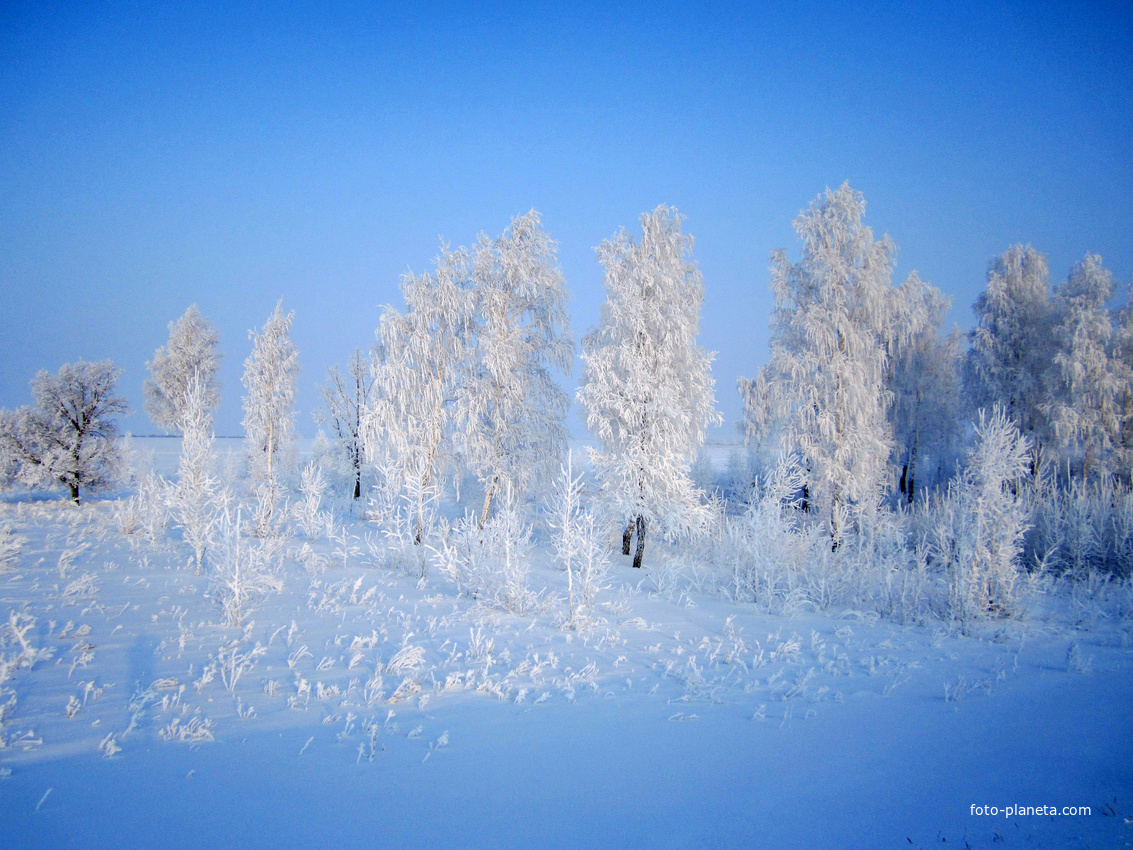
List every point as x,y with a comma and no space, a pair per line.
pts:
364,707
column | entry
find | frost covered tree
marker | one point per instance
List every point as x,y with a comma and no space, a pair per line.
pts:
69,436
193,499
924,379
191,354
1083,403
408,429
346,398
978,530
1011,347
1121,359
270,374
826,383
510,408
648,389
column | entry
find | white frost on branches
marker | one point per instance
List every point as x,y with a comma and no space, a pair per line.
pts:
1083,408
190,355
193,499
510,409
346,399
1011,346
70,435
648,388
826,381
270,374
408,428
979,528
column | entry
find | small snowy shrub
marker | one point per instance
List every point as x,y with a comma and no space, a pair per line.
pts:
406,518
490,563
145,514
591,562
579,542
1078,528
244,570
764,549
10,545
308,514
17,651
979,528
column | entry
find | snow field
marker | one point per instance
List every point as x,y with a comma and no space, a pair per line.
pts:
676,718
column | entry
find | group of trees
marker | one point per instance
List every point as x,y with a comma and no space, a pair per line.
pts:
1060,362
864,385
465,375
865,389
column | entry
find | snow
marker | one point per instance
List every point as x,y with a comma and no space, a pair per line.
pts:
678,719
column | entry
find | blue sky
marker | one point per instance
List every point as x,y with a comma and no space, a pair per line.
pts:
234,154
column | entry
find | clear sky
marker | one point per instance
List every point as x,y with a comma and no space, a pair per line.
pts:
233,154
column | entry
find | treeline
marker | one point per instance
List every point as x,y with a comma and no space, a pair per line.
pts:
1011,453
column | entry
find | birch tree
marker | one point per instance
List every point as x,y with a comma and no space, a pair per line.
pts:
825,384
511,409
1121,359
1083,404
270,375
190,355
346,399
648,389
924,378
1011,348
193,500
408,429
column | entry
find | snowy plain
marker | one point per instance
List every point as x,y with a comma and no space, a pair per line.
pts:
362,706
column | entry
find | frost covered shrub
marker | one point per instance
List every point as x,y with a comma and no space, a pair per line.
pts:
886,574
270,374
580,544
1080,528
244,570
765,548
778,558
978,528
10,545
308,511
490,563
146,513
405,512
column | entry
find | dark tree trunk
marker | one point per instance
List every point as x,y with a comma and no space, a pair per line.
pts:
627,538
358,484
637,556
912,467
74,493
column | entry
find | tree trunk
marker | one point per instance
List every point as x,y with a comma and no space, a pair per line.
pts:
912,467
74,493
357,483
640,542
627,537
488,494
